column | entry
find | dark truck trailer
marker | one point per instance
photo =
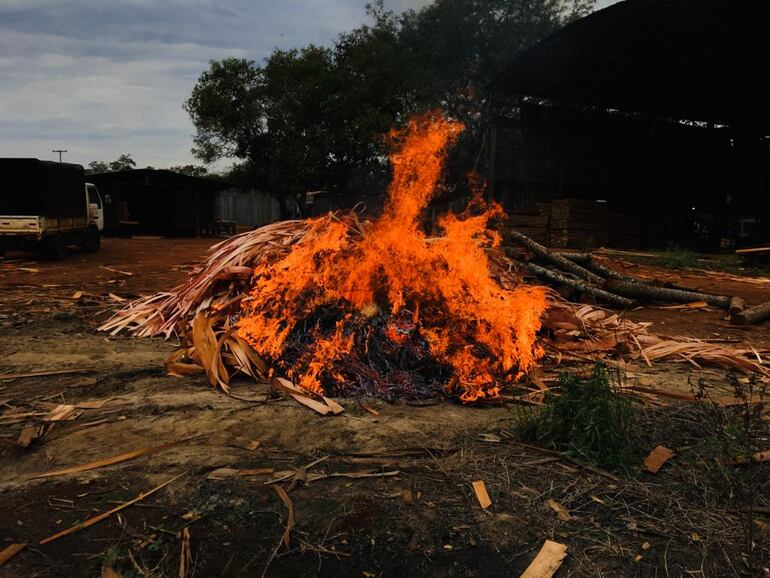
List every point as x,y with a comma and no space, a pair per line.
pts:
47,205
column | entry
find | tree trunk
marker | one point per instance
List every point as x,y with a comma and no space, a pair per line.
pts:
650,292
598,294
752,314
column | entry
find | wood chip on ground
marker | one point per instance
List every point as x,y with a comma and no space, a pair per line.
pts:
547,561
480,489
657,457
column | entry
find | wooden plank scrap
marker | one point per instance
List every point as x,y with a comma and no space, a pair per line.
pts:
109,461
28,435
93,404
245,443
185,556
547,561
693,305
368,409
112,270
334,406
61,412
482,495
317,406
224,473
10,551
657,457
96,519
286,538
43,373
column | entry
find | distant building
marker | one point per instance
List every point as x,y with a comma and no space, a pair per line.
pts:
659,109
161,202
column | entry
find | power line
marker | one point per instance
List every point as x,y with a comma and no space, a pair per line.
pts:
60,151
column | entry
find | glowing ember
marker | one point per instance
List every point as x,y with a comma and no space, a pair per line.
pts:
384,308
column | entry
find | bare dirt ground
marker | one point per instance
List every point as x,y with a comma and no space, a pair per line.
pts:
414,512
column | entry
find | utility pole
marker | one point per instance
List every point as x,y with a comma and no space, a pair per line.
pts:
60,151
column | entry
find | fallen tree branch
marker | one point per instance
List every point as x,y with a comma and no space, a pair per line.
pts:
598,294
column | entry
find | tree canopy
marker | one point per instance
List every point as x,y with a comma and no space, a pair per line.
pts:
313,118
123,163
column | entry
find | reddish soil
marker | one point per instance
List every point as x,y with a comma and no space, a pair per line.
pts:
422,520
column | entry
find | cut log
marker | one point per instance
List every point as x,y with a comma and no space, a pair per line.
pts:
737,304
608,273
652,293
579,258
555,259
673,285
752,314
587,261
598,294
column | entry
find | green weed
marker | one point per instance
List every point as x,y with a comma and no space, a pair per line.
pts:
588,420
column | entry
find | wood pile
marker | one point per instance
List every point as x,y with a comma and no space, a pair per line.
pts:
580,273
534,226
578,223
625,231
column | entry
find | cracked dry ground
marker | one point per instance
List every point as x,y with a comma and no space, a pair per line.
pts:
415,513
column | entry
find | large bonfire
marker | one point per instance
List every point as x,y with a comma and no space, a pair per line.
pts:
342,297
344,306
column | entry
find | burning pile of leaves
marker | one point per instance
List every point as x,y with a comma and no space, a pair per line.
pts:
343,306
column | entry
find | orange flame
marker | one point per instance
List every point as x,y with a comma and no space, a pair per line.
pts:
486,333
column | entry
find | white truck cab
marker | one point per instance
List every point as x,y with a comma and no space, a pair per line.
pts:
95,206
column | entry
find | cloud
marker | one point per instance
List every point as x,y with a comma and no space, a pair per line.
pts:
105,77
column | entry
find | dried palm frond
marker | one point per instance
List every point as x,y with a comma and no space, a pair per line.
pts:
213,286
202,312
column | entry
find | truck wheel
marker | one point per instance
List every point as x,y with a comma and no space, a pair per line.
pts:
92,240
54,248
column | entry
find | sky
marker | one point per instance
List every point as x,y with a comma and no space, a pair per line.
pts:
105,77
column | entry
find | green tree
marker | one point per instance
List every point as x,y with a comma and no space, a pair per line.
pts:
97,167
123,163
189,170
314,117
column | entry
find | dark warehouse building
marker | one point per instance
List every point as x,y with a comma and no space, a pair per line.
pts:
657,109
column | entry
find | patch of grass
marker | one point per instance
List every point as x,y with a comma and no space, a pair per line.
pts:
588,421
676,258
681,259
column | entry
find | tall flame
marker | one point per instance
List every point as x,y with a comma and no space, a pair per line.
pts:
436,290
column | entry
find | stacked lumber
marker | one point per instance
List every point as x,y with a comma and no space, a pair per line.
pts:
578,223
625,231
535,226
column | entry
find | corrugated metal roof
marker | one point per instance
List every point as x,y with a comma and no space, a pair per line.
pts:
690,59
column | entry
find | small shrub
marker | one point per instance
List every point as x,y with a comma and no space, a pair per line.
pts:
588,421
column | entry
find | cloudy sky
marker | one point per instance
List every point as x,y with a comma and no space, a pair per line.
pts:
105,77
